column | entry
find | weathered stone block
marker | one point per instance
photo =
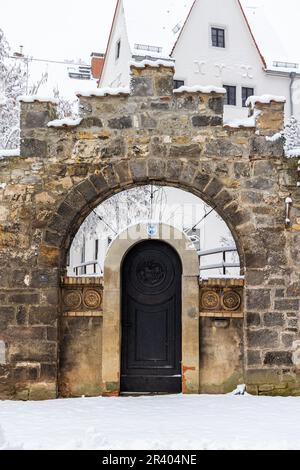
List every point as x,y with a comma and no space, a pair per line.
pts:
254,358
156,169
258,299
164,85
203,121
35,119
274,319
33,351
88,190
216,105
260,146
138,170
253,319
123,172
224,147
262,376
287,304
33,148
142,86
185,151
43,315
43,391
114,148
201,180
278,358
92,121
124,122
262,338
7,316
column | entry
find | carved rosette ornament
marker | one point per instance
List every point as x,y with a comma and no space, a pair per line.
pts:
72,299
210,300
231,301
92,299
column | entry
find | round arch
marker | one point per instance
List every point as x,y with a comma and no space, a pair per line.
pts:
111,342
115,178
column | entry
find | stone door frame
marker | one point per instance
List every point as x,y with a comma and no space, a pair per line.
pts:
111,344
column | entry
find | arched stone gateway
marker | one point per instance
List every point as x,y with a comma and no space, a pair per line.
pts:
67,168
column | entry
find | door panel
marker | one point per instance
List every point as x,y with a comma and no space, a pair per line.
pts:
151,319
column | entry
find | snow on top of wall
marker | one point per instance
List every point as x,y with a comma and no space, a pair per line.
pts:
40,99
264,99
151,63
105,91
66,122
236,123
155,23
200,89
9,153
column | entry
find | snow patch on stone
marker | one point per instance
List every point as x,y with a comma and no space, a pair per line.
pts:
104,92
225,276
237,123
151,63
274,138
9,153
240,390
40,99
200,89
264,99
66,122
3,185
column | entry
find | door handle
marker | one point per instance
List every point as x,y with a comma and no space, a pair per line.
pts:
127,325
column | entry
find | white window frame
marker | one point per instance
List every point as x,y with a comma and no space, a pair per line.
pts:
219,26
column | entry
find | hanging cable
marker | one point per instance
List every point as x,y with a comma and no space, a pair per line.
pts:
203,218
99,217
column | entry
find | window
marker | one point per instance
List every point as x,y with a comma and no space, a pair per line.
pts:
178,84
118,49
218,37
230,98
246,92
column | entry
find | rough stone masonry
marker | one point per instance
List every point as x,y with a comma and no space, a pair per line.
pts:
124,140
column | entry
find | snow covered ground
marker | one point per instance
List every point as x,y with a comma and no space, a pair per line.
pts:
164,422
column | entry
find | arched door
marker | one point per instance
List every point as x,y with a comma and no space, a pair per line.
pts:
151,319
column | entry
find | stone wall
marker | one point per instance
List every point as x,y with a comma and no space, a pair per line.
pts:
170,139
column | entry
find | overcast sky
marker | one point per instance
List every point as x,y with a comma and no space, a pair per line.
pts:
71,29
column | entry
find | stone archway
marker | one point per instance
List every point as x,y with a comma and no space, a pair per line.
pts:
168,138
111,354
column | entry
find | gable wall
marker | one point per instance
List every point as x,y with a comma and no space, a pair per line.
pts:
116,72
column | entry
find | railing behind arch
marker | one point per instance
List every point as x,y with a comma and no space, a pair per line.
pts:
224,264
82,271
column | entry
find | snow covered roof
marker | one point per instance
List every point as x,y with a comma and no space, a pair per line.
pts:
58,78
155,23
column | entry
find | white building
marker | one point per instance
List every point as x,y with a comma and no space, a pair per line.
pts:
213,42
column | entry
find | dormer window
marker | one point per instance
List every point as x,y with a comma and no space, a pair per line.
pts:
218,37
118,49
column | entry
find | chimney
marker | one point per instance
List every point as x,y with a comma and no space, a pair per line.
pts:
97,61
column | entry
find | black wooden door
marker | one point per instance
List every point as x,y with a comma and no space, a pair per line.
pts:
151,319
